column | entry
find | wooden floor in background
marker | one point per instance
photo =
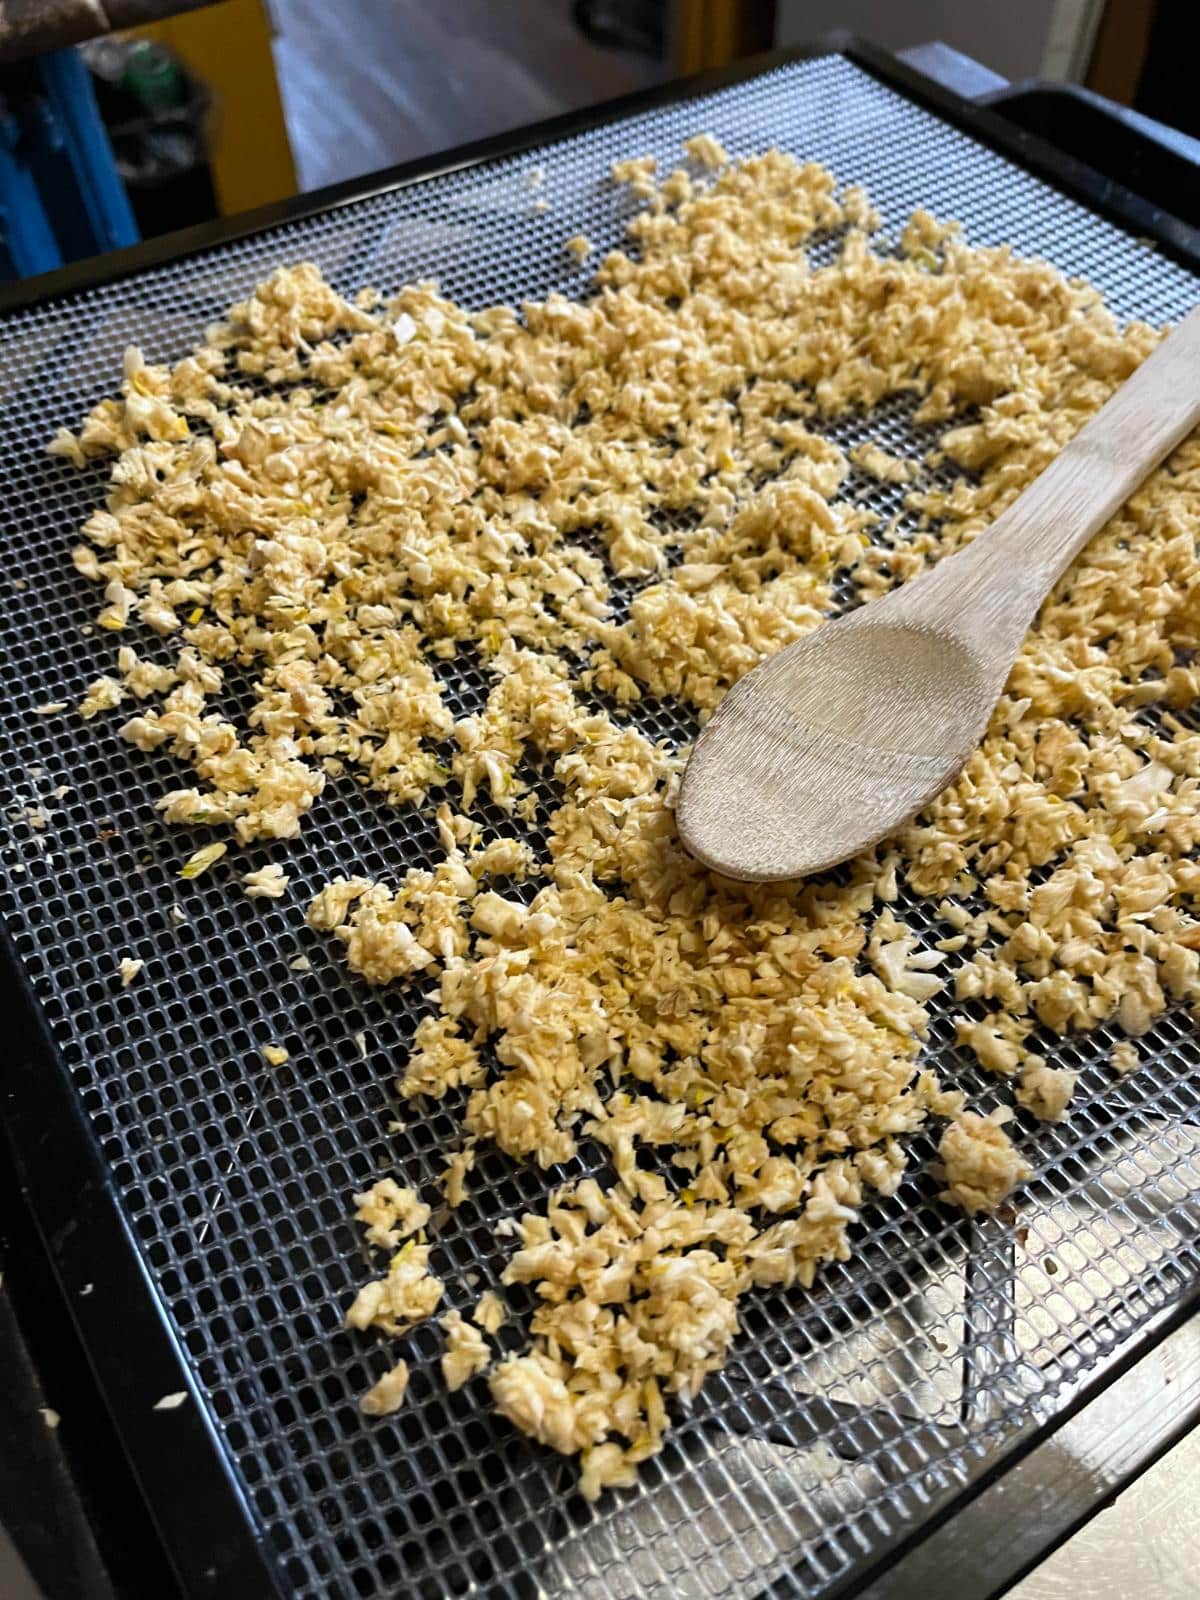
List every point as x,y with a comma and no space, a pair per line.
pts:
368,83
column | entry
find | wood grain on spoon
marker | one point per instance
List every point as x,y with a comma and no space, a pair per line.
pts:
828,747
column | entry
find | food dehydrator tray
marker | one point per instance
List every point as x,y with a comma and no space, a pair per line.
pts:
204,1196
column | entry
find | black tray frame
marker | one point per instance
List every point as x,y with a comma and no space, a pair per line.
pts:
56,1172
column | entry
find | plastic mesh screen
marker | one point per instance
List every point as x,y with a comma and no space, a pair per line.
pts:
844,1415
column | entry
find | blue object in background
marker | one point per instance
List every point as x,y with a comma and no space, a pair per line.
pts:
60,194
27,242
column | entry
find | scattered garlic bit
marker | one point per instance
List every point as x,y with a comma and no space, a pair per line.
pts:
386,1396
274,1054
1124,1057
763,1042
858,210
300,964
503,858
384,930
982,1165
992,1051
466,1354
893,953
887,887
454,1179
390,1213
171,1402
65,444
879,464
490,1312
103,695
140,677
407,1295
638,173
580,246
115,615
129,967
207,856
1046,1091
51,708
268,883
49,1416
706,151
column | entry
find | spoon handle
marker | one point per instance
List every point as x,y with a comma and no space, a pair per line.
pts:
999,581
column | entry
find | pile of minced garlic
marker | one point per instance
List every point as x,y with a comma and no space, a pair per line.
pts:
338,495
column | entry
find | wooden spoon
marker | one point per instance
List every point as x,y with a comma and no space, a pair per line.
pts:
828,747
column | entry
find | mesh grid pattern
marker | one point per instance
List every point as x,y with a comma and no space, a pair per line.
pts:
844,1415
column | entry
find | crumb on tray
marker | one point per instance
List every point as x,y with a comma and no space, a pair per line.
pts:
387,1394
267,883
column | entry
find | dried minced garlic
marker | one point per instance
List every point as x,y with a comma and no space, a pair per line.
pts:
982,1166
992,1050
886,468
1124,1057
103,695
466,1354
390,1213
454,1179
415,485
1046,1091
490,1312
267,883
706,150
405,1296
386,1395
201,860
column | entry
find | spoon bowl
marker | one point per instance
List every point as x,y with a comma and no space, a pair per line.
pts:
843,737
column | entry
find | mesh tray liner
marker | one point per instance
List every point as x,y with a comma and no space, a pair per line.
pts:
843,1416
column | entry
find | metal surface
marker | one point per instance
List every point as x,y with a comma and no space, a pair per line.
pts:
952,69
1146,1542
1073,1477
846,1418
